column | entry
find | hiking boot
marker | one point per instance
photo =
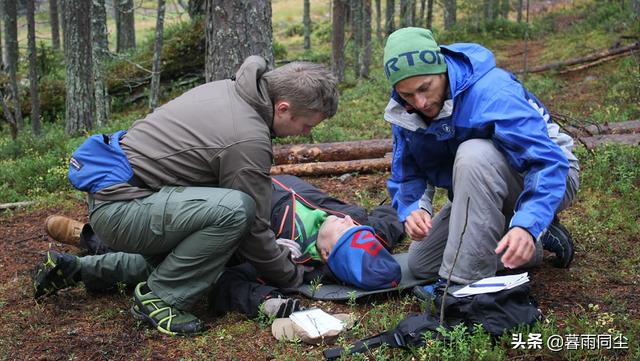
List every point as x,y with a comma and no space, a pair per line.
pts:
281,307
64,230
56,272
166,318
557,240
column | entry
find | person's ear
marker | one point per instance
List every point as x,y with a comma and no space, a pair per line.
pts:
324,253
282,106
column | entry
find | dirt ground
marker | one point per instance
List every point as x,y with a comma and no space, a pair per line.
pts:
79,325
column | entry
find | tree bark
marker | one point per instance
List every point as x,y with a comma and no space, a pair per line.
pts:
11,43
505,7
306,21
326,152
80,104
33,68
55,27
229,42
378,21
100,54
429,14
325,168
356,35
520,6
337,39
449,14
390,18
154,91
405,13
8,116
366,39
125,25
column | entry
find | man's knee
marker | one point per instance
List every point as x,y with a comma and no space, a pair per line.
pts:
423,265
238,211
477,154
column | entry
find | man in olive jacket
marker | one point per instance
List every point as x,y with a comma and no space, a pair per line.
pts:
201,188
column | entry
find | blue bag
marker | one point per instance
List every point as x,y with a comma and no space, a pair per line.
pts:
99,163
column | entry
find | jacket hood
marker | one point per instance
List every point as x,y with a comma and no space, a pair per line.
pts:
466,63
252,88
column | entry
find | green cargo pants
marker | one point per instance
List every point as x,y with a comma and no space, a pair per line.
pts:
192,231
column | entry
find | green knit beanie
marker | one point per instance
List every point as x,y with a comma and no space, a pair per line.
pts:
410,52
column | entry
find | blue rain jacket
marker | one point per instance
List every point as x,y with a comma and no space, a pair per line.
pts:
489,103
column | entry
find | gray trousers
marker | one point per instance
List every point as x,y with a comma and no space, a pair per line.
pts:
189,232
481,174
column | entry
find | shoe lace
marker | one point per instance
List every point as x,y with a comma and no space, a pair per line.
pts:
159,306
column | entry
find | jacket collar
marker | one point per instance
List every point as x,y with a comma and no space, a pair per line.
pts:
252,88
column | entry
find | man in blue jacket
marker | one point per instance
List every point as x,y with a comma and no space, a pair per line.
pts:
462,124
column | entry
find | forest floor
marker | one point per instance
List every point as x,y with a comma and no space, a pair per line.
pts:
75,324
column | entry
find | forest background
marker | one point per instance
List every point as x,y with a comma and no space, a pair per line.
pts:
99,65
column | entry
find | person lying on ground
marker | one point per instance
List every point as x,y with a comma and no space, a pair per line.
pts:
463,124
320,231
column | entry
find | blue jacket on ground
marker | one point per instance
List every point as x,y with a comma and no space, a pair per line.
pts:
485,102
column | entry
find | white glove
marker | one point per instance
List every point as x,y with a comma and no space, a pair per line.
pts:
292,245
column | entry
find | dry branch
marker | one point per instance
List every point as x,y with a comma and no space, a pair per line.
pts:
632,126
585,59
338,167
327,152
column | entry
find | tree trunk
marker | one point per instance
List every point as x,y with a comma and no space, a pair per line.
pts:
2,52
125,25
520,6
11,41
80,104
378,21
356,35
33,68
423,5
100,52
337,39
429,14
196,8
491,9
157,53
405,13
390,19
55,27
366,39
227,38
449,14
306,21
505,7
8,116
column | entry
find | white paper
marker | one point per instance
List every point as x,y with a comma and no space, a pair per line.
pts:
493,284
316,322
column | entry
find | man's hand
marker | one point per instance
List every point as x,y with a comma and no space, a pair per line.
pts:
418,224
520,247
292,245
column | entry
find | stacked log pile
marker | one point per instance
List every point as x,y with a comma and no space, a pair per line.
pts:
368,156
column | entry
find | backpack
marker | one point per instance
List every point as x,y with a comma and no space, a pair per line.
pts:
497,312
99,162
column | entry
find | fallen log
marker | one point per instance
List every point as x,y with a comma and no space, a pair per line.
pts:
594,63
328,152
585,59
335,167
597,140
632,126
4,206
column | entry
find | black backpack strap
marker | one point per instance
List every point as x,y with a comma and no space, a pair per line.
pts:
390,338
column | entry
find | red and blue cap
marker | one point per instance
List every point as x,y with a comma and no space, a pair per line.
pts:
359,259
